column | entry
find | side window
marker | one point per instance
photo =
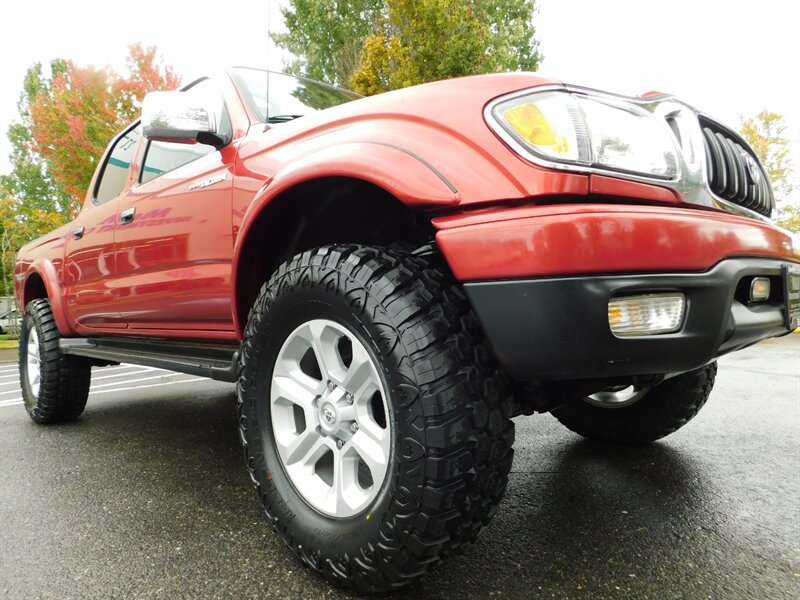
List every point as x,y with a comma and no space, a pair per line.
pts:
163,157
118,166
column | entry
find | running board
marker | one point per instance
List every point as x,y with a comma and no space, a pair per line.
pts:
218,362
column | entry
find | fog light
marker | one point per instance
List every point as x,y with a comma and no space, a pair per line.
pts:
759,289
648,314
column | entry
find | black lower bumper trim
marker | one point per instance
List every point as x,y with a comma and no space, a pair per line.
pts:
557,328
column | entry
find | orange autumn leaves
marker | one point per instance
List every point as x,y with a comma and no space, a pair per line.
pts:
76,113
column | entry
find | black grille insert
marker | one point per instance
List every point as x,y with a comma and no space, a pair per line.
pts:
734,172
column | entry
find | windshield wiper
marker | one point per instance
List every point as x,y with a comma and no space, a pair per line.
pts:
282,118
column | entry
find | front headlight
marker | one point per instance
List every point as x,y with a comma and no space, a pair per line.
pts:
589,131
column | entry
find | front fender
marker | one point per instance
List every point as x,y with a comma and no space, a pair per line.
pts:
400,172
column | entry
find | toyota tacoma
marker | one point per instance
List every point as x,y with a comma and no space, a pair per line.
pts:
389,280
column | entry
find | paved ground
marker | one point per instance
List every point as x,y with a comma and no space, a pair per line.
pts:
146,497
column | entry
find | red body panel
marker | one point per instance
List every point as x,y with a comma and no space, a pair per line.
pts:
602,185
564,240
89,269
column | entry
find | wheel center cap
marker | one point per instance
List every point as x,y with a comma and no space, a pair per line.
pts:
328,415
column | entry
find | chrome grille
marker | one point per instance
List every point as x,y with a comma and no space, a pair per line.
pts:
734,172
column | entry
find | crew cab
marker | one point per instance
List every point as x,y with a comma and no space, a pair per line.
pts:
389,280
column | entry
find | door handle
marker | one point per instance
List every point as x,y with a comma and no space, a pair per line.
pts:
126,216
77,233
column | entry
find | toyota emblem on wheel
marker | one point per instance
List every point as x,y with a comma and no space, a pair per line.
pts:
328,414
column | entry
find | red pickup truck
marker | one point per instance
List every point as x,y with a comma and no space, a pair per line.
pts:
389,280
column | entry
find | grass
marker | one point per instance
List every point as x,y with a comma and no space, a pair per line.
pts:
8,341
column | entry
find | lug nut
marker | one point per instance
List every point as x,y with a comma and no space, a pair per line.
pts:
353,426
331,385
339,444
348,397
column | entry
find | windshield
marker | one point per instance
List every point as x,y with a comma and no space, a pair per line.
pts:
289,97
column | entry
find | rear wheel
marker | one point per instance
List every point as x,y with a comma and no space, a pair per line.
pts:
639,414
375,422
54,386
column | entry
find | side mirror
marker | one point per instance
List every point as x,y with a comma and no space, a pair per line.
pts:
179,117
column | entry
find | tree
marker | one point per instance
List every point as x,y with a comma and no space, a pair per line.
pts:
326,36
75,113
419,41
19,223
428,40
789,217
29,178
67,118
765,134
378,46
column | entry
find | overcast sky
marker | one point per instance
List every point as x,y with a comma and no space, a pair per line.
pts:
729,58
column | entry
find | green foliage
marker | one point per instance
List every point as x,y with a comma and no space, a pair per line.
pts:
374,46
509,35
29,178
765,133
789,216
19,223
428,40
326,36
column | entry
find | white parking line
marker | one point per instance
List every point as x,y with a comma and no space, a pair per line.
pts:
149,385
139,372
142,370
14,368
103,385
16,401
10,402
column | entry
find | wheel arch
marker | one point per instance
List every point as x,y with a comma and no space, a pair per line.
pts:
316,212
41,281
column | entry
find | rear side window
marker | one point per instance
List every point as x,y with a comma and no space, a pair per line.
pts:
118,166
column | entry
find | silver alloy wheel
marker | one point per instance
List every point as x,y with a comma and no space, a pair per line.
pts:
617,398
34,362
330,419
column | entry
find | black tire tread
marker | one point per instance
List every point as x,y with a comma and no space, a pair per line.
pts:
64,386
464,403
663,410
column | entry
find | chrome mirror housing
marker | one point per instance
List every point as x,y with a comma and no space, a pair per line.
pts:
176,117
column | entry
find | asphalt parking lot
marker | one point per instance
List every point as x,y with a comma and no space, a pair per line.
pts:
146,496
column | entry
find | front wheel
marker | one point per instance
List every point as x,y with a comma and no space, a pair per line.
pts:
637,415
375,423
54,386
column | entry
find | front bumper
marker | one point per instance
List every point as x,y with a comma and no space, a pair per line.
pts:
556,328
540,278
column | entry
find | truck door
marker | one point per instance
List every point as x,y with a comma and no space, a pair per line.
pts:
90,261
173,239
